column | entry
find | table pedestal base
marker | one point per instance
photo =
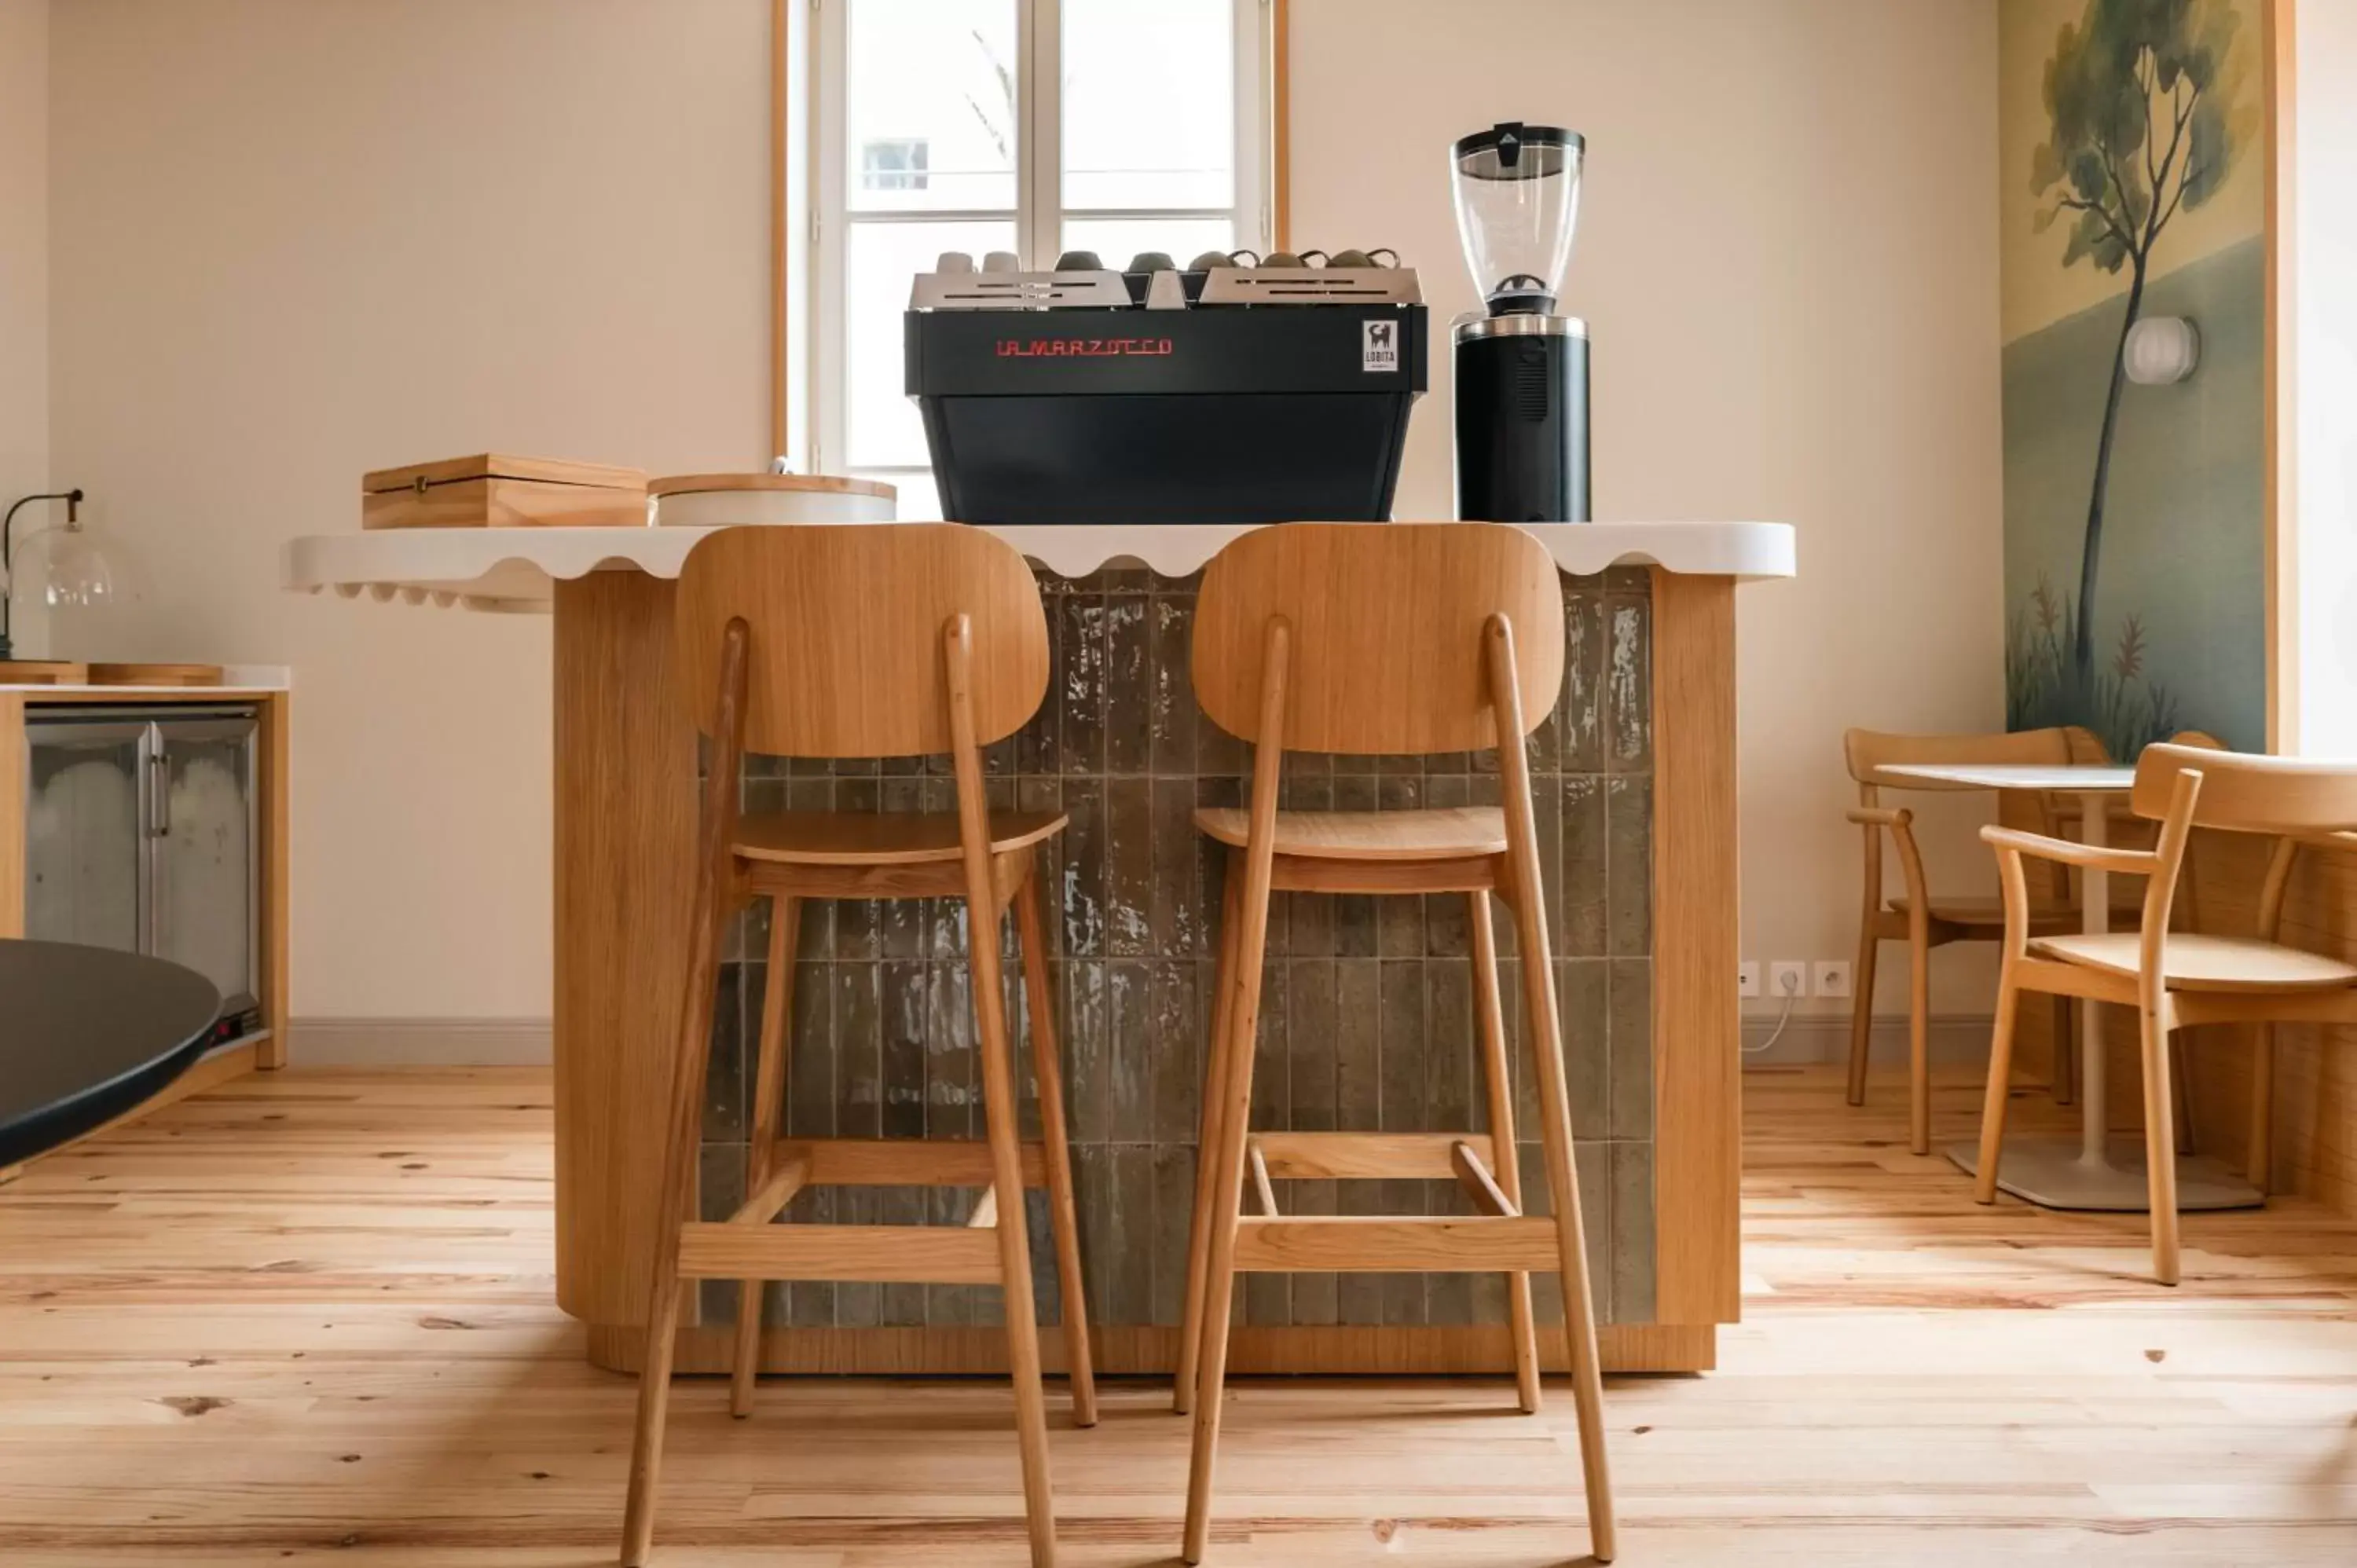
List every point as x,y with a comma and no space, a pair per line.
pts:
2053,1172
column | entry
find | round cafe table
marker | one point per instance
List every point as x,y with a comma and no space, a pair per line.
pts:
2084,1173
87,1034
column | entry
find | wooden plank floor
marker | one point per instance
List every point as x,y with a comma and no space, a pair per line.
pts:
307,1320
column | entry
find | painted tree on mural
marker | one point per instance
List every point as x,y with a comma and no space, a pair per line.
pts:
2138,97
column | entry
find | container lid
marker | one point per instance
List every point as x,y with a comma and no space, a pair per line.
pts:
820,484
502,466
1512,150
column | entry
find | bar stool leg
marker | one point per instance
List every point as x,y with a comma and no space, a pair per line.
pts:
769,1112
1208,1143
1242,984
1031,930
1524,894
998,1105
691,1057
1235,1094
1488,1005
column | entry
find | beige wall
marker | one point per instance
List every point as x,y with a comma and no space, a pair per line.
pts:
298,241
25,269
1788,260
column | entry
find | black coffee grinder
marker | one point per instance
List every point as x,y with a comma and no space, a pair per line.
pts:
1521,370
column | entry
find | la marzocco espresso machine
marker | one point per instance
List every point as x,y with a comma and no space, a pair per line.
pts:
1521,370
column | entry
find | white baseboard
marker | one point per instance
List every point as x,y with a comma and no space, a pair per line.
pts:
1824,1037
419,1042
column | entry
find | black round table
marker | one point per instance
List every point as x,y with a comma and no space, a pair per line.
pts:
87,1034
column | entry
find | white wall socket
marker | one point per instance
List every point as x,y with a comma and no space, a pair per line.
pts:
1832,977
1747,978
1788,977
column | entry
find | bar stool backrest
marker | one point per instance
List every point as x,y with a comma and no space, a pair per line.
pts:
846,622
1386,633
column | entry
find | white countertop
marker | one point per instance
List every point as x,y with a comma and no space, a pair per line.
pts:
515,568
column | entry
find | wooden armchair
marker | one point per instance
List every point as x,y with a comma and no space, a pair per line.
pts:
1924,920
2177,980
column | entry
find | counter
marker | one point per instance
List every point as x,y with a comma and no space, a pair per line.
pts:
1368,1019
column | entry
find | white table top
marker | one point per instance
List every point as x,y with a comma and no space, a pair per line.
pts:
2077,778
517,569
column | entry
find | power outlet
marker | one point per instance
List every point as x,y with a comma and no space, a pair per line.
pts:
1747,978
1788,977
1832,977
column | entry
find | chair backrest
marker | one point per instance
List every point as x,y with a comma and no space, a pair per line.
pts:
1869,751
1387,624
2243,793
845,657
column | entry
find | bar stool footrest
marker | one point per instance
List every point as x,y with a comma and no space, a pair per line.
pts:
1414,1244
1401,1156
884,1254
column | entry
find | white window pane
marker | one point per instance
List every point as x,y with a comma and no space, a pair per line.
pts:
1117,239
1149,103
929,105
880,425
920,498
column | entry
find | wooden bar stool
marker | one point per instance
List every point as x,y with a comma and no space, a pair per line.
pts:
1391,639
876,641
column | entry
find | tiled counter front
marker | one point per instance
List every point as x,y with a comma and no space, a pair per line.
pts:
1368,1017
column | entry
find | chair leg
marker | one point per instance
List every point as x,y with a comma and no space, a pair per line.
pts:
769,1112
1063,1218
2180,1067
2000,1092
1208,1143
1919,1042
1861,1011
1544,1032
2159,1142
1490,1010
1232,1093
1000,1106
2262,1097
690,1058
2065,1052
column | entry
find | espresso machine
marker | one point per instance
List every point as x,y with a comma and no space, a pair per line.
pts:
1522,368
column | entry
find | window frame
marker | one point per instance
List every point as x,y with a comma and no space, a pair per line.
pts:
1038,214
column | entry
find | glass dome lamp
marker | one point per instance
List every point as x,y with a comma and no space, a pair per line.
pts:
67,563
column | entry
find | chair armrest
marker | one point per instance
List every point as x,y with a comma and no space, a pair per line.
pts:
1878,817
2137,861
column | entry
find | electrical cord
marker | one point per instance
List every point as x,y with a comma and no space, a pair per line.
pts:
1791,996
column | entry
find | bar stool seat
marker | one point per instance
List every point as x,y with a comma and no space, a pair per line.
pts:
1441,835
901,838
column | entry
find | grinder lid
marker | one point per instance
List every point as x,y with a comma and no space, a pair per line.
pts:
1512,150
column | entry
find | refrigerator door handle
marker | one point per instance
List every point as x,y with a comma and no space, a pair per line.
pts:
160,793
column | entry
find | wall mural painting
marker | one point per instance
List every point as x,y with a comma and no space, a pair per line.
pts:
2132,202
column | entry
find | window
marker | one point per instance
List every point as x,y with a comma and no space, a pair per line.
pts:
1034,126
896,163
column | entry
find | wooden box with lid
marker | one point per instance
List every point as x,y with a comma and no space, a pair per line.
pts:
493,490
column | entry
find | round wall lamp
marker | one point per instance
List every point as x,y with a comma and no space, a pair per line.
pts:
2161,349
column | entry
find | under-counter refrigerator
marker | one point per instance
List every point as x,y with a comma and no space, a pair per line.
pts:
142,833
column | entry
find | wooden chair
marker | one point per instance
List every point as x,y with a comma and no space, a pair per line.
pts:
2178,980
1390,638
878,641
1923,919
